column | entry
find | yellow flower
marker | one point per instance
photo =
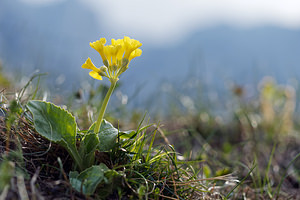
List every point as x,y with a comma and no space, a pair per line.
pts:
98,46
110,52
130,45
95,73
119,42
116,57
107,52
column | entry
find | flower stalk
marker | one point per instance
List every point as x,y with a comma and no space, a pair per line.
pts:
104,104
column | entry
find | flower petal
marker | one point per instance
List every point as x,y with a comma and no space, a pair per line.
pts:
95,75
89,65
135,53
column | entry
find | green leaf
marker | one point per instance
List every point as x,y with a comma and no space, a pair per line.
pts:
88,180
57,125
53,122
107,136
87,148
90,142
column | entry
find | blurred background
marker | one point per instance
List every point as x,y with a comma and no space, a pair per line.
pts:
191,47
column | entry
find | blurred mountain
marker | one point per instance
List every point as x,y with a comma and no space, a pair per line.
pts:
246,54
55,39
225,54
51,38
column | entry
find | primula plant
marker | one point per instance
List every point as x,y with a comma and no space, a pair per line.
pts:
116,58
59,126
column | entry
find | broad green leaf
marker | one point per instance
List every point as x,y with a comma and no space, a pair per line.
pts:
87,148
90,142
88,180
107,136
55,124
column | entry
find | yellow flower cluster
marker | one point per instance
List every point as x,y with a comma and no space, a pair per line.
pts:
115,57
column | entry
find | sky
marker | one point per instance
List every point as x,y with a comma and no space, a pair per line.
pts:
169,21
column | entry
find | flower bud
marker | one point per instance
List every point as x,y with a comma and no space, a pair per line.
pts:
124,69
115,67
103,68
125,62
105,62
101,73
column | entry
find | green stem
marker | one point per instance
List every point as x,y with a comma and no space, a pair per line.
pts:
104,104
